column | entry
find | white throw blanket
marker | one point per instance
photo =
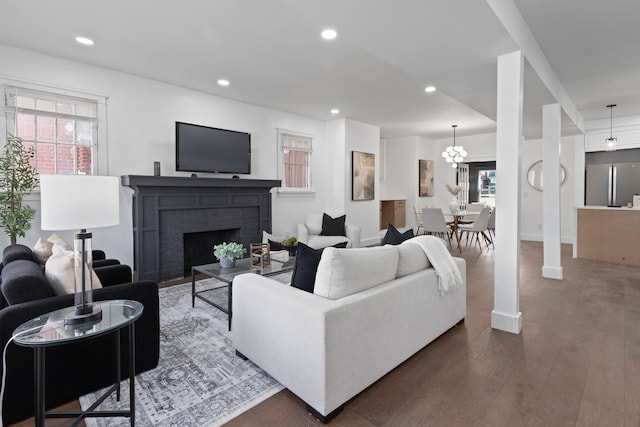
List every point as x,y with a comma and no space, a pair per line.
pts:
448,273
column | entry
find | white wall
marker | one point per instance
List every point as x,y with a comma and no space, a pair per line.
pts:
401,178
531,199
141,116
364,213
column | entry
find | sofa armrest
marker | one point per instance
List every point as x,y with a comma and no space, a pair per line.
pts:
353,233
98,254
110,275
105,262
303,234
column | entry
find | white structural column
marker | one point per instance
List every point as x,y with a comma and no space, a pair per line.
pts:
551,124
506,314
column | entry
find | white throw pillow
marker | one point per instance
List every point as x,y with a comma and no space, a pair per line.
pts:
59,271
42,250
314,223
57,240
411,258
266,237
343,272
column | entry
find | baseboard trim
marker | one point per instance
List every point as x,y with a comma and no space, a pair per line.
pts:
506,322
552,272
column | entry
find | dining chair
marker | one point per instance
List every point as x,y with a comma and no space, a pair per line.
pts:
417,211
491,226
473,211
434,223
478,227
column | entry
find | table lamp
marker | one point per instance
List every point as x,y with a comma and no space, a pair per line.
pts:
82,202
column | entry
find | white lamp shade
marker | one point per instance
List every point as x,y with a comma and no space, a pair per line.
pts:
71,202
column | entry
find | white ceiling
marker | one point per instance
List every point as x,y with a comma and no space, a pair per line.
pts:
375,71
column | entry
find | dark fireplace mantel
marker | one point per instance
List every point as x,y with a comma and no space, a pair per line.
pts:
165,207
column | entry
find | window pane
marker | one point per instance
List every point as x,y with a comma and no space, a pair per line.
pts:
65,130
26,126
30,146
65,160
25,102
84,132
45,159
44,129
64,107
45,105
83,160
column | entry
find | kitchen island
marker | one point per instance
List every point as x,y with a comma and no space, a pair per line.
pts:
609,234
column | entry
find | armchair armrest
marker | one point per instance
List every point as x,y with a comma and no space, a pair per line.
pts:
353,233
303,234
98,254
113,274
105,262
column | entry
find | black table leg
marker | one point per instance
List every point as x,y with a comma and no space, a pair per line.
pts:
118,366
229,296
193,288
132,373
40,373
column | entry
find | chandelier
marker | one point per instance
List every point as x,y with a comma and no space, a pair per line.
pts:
611,141
454,154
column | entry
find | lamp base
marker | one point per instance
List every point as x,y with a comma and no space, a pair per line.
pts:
89,316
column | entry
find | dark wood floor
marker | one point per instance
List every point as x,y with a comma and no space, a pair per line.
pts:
576,362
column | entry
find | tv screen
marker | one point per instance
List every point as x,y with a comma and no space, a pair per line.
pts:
207,149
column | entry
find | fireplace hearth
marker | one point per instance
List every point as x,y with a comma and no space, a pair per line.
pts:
167,208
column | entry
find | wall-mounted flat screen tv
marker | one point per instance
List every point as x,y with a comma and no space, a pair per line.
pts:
207,149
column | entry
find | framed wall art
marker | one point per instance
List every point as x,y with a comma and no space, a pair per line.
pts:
363,175
425,178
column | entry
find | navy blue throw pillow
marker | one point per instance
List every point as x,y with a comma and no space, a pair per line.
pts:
394,237
275,246
304,271
333,226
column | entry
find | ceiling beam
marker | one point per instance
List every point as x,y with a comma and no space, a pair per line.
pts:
509,14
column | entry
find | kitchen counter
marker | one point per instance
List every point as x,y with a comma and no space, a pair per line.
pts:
609,234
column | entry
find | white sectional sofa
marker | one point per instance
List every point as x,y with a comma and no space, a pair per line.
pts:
372,308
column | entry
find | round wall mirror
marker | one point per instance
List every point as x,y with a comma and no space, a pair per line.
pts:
534,175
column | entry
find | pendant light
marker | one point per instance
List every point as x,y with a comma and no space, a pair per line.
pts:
611,141
454,154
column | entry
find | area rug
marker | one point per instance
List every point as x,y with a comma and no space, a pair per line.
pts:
199,380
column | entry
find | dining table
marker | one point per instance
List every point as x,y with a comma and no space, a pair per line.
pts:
458,219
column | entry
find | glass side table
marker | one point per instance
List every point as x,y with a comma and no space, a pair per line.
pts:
49,330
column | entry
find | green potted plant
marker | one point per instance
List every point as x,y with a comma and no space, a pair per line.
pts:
228,252
17,178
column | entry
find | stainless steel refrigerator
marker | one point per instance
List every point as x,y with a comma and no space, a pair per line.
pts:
612,184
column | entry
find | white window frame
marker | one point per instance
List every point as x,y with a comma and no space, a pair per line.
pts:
281,148
99,152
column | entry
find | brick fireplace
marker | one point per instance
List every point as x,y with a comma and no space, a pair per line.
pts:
169,212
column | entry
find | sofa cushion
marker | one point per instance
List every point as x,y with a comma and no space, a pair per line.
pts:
23,281
342,273
15,252
333,226
43,250
60,272
275,246
411,258
394,237
304,270
319,242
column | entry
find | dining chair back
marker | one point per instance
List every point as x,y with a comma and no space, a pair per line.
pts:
417,211
473,211
478,227
491,225
434,223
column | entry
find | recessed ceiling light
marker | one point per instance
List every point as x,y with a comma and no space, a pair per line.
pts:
334,111
329,34
430,89
85,41
223,82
